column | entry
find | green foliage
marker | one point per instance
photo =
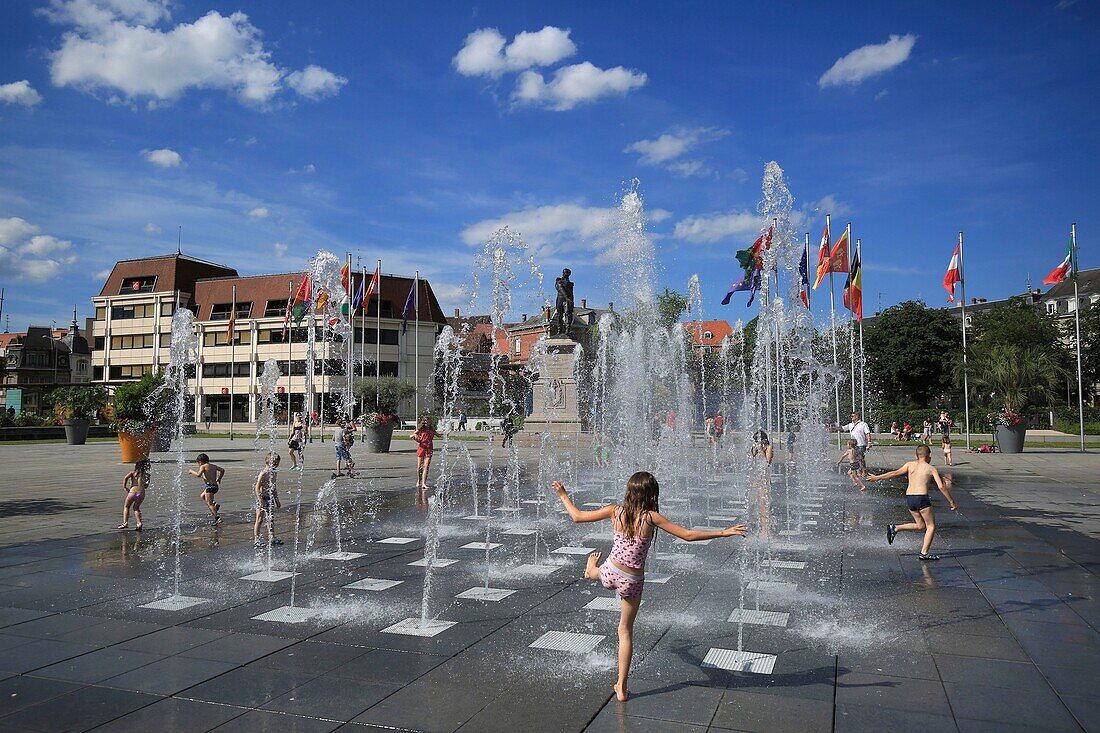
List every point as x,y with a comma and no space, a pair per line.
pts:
383,395
1090,335
1018,322
142,402
79,402
910,350
670,307
1014,376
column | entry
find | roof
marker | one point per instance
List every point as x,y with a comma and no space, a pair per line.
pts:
717,329
581,316
172,272
7,338
1088,283
38,337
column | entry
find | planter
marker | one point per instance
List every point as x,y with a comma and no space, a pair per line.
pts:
1010,438
76,431
377,440
135,446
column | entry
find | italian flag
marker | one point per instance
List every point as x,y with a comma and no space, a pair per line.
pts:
1062,271
953,276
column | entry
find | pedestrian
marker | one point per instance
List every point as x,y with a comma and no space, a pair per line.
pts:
907,432
134,484
343,452
708,429
634,524
945,424
508,427
849,456
921,474
267,500
861,434
211,476
424,435
297,441
761,445
462,419
926,432
894,432
719,426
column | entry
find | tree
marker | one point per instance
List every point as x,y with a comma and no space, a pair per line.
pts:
1018,322
670,306
910,350
1090,346
1014,376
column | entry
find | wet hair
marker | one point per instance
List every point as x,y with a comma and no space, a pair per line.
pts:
202,458
142,466
423,422
924,451
642,495
852,444
272,459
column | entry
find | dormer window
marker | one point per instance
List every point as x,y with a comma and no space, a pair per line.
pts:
141,284
220,311
708,335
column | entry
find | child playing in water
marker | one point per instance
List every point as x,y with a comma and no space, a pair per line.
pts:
134,484
424,435
946,445
921,473
267,499
762,445
634,524
211,476
852,458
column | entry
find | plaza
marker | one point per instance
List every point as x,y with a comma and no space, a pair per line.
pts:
1001,634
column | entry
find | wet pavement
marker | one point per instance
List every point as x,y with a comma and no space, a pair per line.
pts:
1001,634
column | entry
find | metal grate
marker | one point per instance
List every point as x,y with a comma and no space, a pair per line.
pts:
439,562
481,546
519,532
414,627
604,603
783,564
810,522
722,518
481,593
268,576
790,532
477,517
540,570
175,603
567,641
287,615
343,555
398,540
533,501
760,618
573,550
789,547
507,509
738,661
373,584
659,579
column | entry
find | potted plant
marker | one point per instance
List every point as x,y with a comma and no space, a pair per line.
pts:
138,405
1015,377
76,407
381,398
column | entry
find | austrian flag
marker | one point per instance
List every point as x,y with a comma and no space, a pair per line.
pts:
953,276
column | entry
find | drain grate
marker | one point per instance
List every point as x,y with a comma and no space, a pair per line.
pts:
373,584
722,518
268,576
519,532
507,509
567,641
790,532
287,615
660,579
398,540
604,603
477,517
540,570
481,546
175,603
760,618
439,562
789,547
738,661
413,627
573,550
343,555
481,593
783,564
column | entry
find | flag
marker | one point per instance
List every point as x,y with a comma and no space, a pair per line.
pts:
286,319
301,301
321,300
374,281
853,288
838,258
1062,271
952,277
357,301
754,287
803,279
749,259
345,277
822,256
410,306
232,323
743,284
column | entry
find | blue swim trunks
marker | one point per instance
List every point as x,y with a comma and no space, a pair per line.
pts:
916,502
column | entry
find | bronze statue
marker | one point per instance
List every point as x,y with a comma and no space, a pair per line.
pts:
563,306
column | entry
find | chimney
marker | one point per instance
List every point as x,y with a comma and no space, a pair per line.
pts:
611,306
973,301
523,318
546,313
584,302
458,313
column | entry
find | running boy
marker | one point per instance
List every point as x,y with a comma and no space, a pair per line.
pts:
267,500
852,459
211,476
921,474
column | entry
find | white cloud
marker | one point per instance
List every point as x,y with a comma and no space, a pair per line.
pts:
717,227
151,228
576,84
313,82
101,276
260,212
485,54
551,229
656,215
280,249
868,61
19,92
881,94
667,150
115,46
165,157
25,254
310,168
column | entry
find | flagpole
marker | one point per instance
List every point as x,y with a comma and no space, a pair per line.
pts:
852,328
289,363
962,304
378,337
862,356
349,368
832,331
416,346
363,334
1077,323
232,359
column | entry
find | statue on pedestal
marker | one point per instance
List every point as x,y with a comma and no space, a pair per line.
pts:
559,324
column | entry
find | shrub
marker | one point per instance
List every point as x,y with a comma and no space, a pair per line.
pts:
383,395
78,402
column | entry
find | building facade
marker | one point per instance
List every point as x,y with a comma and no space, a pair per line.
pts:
39,359
132,335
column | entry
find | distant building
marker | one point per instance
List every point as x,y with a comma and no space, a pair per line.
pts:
707,335
40,359
132,334
520,338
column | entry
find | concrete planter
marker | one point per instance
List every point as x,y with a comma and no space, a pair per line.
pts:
1010,438
76,431
377,440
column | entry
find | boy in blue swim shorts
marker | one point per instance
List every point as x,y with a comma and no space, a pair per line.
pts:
211,476
921,474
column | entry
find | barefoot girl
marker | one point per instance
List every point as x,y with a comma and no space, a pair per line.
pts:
424,435
634,524
134,484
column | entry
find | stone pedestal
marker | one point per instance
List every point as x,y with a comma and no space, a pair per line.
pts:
556,406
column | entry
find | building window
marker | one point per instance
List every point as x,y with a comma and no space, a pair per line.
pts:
220,311
221,369
167,308
275,308
143,284
518,348
1052,308
82,365
708,335
98,343
1070,306
221,337
969,321
275,335
101,313
372,309
132,341
126,312
132,371
97,372
165,340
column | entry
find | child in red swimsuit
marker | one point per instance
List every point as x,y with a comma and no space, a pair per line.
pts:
634,523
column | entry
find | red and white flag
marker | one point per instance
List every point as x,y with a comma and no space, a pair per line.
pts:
953,276
1062,271
373,286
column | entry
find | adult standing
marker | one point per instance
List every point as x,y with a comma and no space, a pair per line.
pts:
945,424
861,434
462,419
508,427
296,441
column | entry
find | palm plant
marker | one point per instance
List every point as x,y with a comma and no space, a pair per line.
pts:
1017,376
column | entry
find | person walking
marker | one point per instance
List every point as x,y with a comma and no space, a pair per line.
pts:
462,419
861,434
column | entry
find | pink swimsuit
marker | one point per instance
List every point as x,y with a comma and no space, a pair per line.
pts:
631,552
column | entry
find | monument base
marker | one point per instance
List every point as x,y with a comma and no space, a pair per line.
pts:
556,404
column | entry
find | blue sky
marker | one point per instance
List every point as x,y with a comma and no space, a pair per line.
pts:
270,129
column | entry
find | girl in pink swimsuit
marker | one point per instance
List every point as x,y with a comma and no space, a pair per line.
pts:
633,523
134,484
